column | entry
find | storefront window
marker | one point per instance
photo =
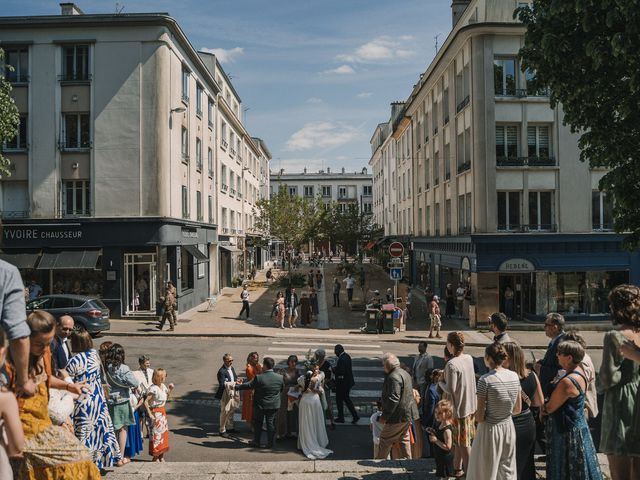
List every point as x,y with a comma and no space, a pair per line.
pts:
583,293
78,282
187,261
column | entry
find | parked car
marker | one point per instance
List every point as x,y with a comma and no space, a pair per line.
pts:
88,313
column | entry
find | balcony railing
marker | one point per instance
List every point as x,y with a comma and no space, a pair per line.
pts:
464,167
436,182
526,161
447,177
71,213
232,152
448,230
526,228
225,187
199,165
602,227
426,139
185,158
464,229
15,77
462,104
65,146
437,232
199,112
445,120
550,227
210,172
435,130
225,230
5,214
232,191
80,77
224,144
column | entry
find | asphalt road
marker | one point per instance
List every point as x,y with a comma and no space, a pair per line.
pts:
192,364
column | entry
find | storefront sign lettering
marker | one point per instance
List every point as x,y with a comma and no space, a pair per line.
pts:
516,265
190,233
40,234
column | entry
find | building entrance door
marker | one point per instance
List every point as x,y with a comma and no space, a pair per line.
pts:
140,283
517,295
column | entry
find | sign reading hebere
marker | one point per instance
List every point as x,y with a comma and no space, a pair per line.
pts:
396,249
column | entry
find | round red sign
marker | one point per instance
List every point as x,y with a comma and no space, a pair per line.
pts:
396,249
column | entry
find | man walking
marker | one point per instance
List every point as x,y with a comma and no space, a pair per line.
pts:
228,401
60,345
422,367
291,303
336,292
498,326
343,372
399,408
267,388
351,282
244,296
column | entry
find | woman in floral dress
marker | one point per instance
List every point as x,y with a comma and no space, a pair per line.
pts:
91,420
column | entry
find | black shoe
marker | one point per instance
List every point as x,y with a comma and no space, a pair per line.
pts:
159,327
254,445
339,420
225,435
232,430
355,420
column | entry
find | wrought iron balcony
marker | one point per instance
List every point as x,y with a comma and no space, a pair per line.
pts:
464,167
462,104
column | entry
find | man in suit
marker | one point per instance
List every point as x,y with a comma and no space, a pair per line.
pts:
343,372
267,388
60,345
226,374
498,326
548,368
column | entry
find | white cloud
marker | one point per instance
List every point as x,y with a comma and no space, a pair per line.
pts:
364,94
225,55
341,70
379,49
314,100
321,135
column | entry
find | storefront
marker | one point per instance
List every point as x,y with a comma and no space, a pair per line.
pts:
125,262
527,276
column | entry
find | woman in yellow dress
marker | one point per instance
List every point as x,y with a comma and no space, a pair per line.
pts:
51,452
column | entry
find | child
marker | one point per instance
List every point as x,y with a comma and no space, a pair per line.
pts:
434,316
157,396
376,428
10,426
441,439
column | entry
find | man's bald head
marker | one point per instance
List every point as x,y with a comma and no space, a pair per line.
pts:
64,326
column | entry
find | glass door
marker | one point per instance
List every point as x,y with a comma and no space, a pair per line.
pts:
140,283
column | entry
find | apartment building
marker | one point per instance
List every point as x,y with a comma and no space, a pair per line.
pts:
346,189
114,185
501,200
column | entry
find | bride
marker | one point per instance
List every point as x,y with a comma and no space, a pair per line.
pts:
312,432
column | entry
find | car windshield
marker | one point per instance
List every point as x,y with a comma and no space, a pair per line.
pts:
39,303
99,304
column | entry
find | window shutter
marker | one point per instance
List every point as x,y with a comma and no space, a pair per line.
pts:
499,135
543,141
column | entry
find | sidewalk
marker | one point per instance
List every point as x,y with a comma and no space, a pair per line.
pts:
332,322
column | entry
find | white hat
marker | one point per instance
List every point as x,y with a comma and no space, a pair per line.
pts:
436,297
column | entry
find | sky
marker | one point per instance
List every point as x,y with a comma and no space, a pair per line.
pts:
315,76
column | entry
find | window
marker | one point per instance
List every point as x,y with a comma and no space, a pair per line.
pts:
445,106
185,202
447,214
223,177
504,75
506,142
198,155
232,183
447,161
509,210
186,264
184,149
530,78
75,62
210,162
199,205
437,219
198,99
538,141
76,130
540,210
367,190
210,208
210,113
293,191
427,219
463,156
202,266
434,112
326,190
308,190
185,85
76,197
224,220
436,168
468,212
18,58
461,215
342,192
223,136
367,207
19,142
601,211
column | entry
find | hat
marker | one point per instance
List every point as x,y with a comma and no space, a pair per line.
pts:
376,291
436,297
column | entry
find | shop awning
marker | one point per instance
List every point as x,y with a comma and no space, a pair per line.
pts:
196,253
20,260
230,248
69,259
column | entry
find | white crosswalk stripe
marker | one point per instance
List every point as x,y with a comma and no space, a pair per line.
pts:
331,345
353,352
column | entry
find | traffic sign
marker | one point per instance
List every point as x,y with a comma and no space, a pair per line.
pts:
396,249
397,264
395,273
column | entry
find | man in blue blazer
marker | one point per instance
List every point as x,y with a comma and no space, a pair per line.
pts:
548,367
60,345
226,374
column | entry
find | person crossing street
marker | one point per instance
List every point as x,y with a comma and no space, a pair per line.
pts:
244,296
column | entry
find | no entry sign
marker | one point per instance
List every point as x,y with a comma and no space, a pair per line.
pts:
396,249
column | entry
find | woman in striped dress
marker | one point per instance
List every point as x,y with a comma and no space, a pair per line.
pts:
493,455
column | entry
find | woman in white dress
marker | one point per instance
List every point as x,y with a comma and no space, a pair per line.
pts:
312,431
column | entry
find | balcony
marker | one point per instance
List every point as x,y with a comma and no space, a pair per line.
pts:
465,229
437,232
447,177
199,112
185,158
225,230
232,191
75,78
199,165
8,214
448,231
599,227
435,130
436,182
239,195
225,187
527,228
210,124
232,152
461,106
534,161
542,227
185,99
210,173
82,146
464,167
445,120
224,144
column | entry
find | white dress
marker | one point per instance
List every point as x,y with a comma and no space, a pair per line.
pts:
312,431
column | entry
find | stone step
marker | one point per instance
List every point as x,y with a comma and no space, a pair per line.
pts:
277,470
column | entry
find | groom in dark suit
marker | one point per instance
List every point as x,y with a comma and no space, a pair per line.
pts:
343,372
267,388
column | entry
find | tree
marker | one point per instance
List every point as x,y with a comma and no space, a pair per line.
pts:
288,218
9,116
586,52
349,228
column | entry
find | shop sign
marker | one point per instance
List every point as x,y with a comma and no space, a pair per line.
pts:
517,265
189,233
465,265
48,232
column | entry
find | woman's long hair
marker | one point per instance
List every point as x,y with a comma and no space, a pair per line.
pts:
115,356
39,322
307,380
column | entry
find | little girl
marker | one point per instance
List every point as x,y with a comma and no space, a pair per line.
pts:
157,396
11,434
442,439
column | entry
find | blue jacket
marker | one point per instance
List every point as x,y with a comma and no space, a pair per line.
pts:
121,381
58,355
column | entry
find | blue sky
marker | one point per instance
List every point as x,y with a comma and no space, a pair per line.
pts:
316,76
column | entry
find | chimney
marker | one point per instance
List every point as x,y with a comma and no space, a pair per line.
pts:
328,170
282,171
343,170
304,171
457,9
70,9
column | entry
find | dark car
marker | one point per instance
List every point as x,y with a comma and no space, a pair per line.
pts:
87,312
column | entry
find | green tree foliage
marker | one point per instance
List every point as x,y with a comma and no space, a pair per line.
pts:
587,52
9,116
349,228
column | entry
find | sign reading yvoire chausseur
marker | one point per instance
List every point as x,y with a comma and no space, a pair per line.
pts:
12,233
517,265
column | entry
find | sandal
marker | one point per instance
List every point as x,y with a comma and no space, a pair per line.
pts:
458,473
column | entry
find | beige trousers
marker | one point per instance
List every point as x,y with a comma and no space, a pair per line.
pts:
395,433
